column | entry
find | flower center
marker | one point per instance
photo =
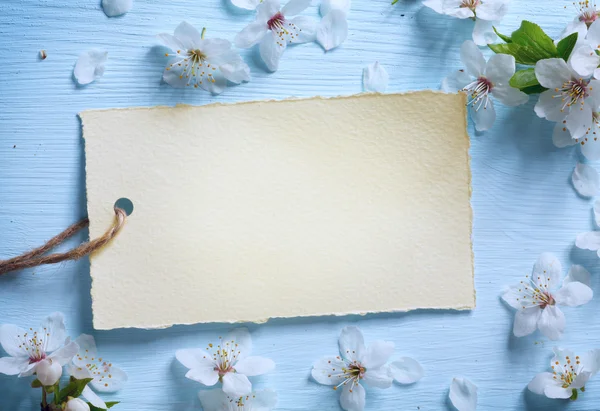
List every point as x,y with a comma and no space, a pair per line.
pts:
225,355
479,92
275,23
567,372
587,12
193,66
536,293
34,344
196,56
470,4
573,92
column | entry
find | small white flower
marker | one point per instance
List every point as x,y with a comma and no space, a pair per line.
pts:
570,97
570,373
90,66
482,80
114,8
537,302
76,404
586,15
274,29
485,13
332,31
591,240
589,143
375,78
228,362
27,348
586,180
48,372
87,364
217,400
463,394
199,62
356,364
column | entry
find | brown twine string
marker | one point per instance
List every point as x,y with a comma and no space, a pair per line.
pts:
36,257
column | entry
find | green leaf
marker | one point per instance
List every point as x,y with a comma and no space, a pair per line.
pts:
36,384
74,389
524,78
565,46
534,89
108,405
522,54
531,36
502,36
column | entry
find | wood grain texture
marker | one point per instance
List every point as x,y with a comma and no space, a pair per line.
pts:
523,202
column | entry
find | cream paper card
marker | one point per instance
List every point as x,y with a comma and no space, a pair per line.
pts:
245,212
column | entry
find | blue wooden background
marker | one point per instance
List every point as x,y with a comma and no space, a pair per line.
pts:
522,198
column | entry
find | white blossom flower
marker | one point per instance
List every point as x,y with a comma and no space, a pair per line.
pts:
274,29
199,62
482,80
485,13
76,404
584,59
114,8
570,97
537,302
591,240
332,31
570,373
354,365
586,180
463,394
87,364
375,78
90,66
228,362
27,348
217,400
589,143
587,14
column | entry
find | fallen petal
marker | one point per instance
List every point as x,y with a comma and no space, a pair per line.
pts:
114,8
375,78
463,394
586,180
90,66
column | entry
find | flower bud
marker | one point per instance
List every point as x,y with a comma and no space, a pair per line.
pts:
76,404
48,372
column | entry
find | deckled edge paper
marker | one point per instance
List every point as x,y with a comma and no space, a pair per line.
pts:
127,293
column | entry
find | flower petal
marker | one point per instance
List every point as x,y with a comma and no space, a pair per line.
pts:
205,376
194,358
550,107
170,41
251,35
574,294
581,379
453,8
483,32
556,391
328,5
586,180
578,273
79,372
267,9
111,380
187,35
591,361
588,241
236,71
241,337
294,7
500,68
305,27
552,73
327,371
406,370
552,322
264,400
251,366
378,377
492,10
217,85
236,385
540,382
512,296
463,394
509,96
456,81
246,4
90,66
591,149
526,321
375,78
472,58
561,136
484,116
584,60
353,397
352,343
271,51
435,5
114,8
11,338
547,271
333,30
93,398
13,365
87,347
213,400
378,354
579,121
65,354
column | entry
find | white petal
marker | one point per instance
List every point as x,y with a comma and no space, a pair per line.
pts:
79,372
492,10
114,383
581,379
574,294
328,5
250,35
540,382
215,48
236,385
435,5
93,398
509,96
547,270
252,366
90,66
552,322
453,8
500,68
597,212
306,29
561,136
327,371
375,78
352,343
246,4
512,296
552,73
87,346
484,117
333,30
217,86
591,149
241,337
236,71
378,377
267,9
205,376
593,94
353,398
463,394
556,391
597,73
584,60
11,338
579,121
271,51
578,273
593,34
591,361
114,8
550,107
588,241
194,358
13,365
213,400
526,321
456,81
407,370
586,180
378,354
65,354
472,58
575,26
187,34
264,400
294,7
483,32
